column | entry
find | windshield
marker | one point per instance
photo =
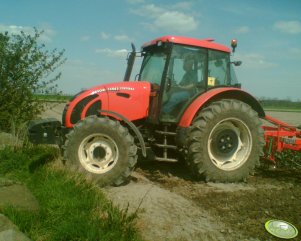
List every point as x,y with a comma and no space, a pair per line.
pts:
152,67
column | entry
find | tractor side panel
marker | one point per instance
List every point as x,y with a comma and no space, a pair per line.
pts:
217,94
129,99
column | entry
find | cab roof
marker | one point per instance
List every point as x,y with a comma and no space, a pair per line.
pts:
204,43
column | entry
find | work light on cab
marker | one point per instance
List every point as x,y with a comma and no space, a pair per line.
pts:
233,44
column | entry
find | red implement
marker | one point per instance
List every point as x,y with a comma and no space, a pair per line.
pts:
281,136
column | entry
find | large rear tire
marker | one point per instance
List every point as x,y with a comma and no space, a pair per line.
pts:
102,149
225,141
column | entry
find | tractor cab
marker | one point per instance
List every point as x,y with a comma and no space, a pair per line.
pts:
179,70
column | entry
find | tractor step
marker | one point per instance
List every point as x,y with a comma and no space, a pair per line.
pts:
162,159
167,133
166,146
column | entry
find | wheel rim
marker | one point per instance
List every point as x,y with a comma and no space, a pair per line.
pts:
229,144
98,153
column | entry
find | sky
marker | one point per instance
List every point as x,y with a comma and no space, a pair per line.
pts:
96,36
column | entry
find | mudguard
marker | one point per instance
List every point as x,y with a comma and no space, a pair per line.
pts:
217,94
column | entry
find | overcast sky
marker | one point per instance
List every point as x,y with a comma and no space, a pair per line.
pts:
97,34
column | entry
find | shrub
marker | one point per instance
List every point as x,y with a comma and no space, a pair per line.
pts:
26,67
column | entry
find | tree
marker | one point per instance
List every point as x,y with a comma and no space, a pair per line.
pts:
26,68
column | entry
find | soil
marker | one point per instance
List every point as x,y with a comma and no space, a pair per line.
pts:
172,206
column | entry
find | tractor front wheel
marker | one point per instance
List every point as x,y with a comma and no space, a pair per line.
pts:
225,141
102,149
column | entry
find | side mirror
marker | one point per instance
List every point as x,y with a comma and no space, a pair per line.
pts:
237,63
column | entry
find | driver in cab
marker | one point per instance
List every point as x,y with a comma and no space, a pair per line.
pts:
186,87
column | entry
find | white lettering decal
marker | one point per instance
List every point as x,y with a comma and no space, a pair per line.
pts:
97,91
112,89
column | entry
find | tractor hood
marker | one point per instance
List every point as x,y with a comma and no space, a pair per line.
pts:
129,99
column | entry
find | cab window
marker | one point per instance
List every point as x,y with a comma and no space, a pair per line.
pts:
152,67
218,68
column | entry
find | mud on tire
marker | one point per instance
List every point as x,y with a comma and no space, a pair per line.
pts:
102,149
225,141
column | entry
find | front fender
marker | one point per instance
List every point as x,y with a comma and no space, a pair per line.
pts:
217,94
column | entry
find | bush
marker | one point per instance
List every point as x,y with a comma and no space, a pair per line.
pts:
26,67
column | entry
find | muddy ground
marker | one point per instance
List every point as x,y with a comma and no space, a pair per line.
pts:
180,208
173,206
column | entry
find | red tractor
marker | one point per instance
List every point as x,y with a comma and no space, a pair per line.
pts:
184,105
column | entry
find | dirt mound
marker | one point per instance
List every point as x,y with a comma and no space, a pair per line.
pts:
165,215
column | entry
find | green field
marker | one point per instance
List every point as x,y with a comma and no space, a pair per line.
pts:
281,105
281,109
53,98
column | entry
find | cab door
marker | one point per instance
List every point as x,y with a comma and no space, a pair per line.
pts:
153,70
185,80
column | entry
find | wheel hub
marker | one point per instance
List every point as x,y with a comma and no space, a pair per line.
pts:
98,153
229,144
226,142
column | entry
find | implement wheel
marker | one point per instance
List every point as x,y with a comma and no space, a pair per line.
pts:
102,149
225,141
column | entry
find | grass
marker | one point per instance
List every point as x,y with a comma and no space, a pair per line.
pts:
281,109
70,207
289,159
53,98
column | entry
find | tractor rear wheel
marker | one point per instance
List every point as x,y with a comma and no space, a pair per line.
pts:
225,141
102,149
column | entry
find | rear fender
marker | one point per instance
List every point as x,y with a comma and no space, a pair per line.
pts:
217,94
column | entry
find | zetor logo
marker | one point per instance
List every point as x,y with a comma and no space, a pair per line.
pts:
112,89
120,88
